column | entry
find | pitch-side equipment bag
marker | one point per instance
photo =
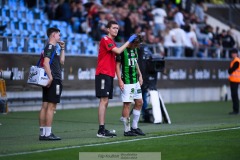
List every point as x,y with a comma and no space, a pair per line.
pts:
37,75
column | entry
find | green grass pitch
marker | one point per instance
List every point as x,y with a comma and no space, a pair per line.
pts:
199,131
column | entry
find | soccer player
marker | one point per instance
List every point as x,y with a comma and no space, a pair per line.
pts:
52,92
105,72
130,81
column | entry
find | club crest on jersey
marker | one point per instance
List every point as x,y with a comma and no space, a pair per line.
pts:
132,90
110,45
50,46
48,54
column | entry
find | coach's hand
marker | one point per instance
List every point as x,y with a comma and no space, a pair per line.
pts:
132,38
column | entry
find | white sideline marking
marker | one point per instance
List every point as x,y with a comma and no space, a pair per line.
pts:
117,142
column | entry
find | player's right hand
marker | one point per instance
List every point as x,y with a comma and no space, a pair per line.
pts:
49,83
132,38
121,84
62,44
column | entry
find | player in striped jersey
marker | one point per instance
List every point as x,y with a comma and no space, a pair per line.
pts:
130,81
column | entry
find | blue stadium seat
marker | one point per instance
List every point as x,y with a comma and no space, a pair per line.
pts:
74,49
21,5
12,3
12,44
23,28
32,46
38,48
84,37
31,29
30,16
91,48
20,47
4,13
77,37
22,14
14,26
55,24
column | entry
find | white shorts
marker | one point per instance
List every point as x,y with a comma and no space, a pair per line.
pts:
131,92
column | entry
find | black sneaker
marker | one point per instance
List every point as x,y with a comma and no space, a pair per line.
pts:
233,113
138,131
42,138
52,137
129,133
105,134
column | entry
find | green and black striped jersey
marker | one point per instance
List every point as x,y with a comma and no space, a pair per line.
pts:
128,60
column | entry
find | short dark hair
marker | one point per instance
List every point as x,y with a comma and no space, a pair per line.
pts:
110,23
51,30
234,50
138,39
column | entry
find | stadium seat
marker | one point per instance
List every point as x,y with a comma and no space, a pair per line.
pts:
13,14
31,45
38,48
23,28
12,44
5,12
37,25
12,3
22,14
84,37
7,32
74,49
77,37
20,47
30,16
36,14
31,29
21,5
55,24
91,48
14,26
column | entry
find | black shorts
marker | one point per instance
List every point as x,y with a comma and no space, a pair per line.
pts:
53,93
104,86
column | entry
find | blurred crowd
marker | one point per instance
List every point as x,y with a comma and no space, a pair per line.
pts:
177,27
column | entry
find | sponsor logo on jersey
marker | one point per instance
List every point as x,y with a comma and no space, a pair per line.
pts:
48,54
139,91
132,90
110,45
50,46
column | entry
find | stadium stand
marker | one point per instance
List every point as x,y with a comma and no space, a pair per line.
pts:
27,24
26,30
